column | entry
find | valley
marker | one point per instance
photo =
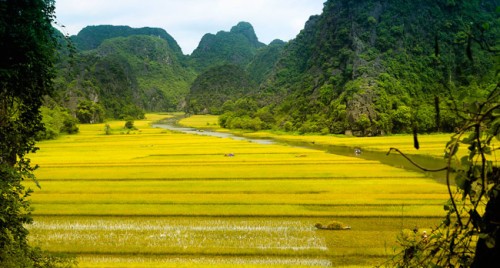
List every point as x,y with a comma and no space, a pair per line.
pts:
158,197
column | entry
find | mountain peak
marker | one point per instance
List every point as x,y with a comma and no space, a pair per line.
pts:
91,37
246,29
237,46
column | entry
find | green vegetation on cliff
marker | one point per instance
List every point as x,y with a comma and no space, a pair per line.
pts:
118,71
237,46
125,76
91,37
368,67
264,61
214,87
232,65
375,67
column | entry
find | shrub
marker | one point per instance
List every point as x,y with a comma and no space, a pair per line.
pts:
107,129
70,125
333,225
129,124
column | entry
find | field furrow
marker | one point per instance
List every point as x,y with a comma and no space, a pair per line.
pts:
156,197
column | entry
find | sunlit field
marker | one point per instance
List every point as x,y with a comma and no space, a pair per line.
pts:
202,121
431,145
154,198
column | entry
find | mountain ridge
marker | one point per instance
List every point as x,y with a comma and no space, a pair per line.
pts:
91,37
117,71
374,67
238,46
368,67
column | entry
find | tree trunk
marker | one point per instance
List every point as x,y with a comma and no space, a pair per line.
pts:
490,256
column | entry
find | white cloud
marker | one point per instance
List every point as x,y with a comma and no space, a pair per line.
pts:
188,20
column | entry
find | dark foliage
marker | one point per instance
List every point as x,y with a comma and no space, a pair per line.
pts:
375,67
469,234
264,60
26,72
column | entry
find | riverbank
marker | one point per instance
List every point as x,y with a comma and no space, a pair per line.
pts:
431,145
429,155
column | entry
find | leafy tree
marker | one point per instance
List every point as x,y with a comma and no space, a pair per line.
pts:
266,117
56,121
401,119
469,235
129,124
107,129
26,72
89,112
363,123
424,118
69,124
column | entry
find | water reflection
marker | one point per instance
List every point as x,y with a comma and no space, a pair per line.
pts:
187,130
393,159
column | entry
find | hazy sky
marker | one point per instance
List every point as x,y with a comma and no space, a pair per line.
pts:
188,20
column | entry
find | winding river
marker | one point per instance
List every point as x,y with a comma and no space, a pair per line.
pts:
392,159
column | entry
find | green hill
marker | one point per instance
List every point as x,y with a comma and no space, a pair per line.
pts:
232,65
214,87
368,67
264,61
375,67
118,71
91,37
125,76
237,46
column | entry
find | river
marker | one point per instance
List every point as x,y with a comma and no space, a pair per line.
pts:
393,159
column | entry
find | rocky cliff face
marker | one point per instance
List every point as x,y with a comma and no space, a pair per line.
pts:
383,62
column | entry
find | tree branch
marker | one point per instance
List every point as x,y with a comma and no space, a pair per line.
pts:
415,164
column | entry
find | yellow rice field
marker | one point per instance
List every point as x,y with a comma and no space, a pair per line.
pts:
155,198
431,144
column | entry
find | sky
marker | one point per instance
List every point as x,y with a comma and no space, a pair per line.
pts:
188,20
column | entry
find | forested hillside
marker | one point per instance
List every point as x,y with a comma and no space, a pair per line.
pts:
232,65
383,66
364,67
237,46
117,71
91,37
264,60
214,87
123,77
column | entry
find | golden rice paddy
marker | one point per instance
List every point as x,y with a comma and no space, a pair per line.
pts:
155,198
430,144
